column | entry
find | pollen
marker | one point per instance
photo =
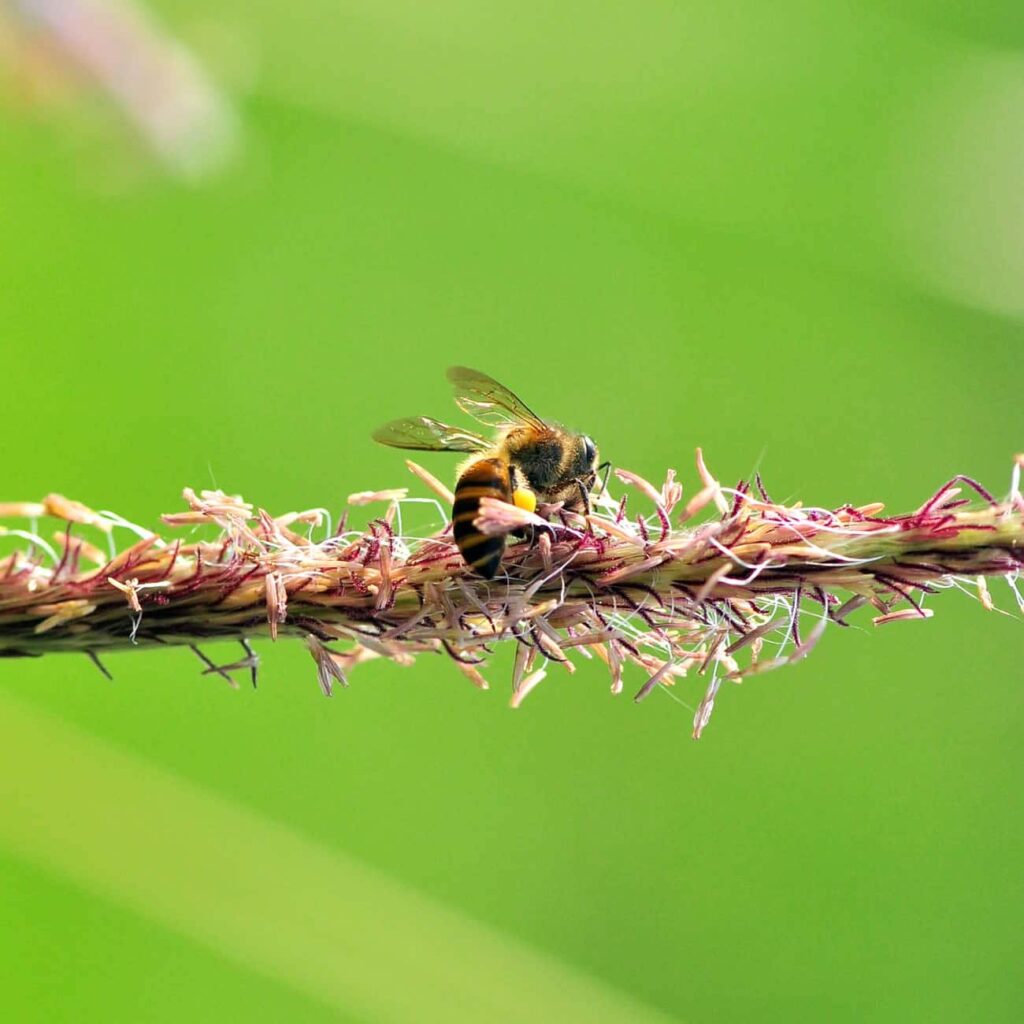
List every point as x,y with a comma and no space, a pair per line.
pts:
524,498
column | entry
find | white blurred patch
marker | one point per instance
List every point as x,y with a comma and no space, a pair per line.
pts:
156,82
959,184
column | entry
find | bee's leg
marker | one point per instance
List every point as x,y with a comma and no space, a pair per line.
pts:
585,487
584,496
522,497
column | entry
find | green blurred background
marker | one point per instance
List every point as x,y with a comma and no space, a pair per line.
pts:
788,232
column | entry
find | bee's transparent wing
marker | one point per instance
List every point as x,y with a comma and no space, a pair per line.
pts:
421,433
489,402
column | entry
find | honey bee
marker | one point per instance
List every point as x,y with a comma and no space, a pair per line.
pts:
529,461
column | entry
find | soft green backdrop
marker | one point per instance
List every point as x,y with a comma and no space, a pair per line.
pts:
788,232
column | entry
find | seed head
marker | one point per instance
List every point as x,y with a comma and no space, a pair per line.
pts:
722,586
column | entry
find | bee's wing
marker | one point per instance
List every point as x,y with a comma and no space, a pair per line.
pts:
421,433
489,402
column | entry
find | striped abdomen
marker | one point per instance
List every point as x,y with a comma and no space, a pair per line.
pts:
487,478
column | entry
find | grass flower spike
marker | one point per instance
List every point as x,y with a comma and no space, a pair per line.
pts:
719,587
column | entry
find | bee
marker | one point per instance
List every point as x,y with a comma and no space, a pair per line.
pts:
530,460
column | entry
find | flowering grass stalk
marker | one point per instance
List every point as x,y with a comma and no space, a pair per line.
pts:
723,586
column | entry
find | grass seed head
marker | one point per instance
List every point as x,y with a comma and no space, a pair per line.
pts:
705,599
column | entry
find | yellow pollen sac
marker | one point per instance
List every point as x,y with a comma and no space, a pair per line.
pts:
524,498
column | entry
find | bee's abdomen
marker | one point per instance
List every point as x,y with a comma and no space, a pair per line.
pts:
487,478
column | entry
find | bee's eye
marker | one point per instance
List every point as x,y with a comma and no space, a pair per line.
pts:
589,451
